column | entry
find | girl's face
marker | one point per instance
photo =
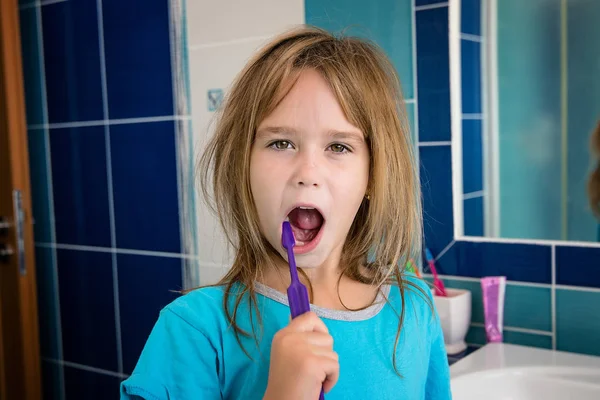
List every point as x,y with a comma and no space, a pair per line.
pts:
309,164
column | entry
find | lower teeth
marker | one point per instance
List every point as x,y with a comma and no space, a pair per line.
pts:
299,243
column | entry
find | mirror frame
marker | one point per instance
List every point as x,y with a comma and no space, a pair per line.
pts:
490,110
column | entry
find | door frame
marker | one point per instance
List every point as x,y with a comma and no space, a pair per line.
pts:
20,365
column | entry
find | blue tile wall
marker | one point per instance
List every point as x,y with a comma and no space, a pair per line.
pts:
433,74
436,182
578,266
138,59
150,176
528,304
470,54
51,380
48,307
472,155
473,215
80,191
75,200
518,262
578,321
81,384
470,12
38,175
72,61
87,308
31,65
140,304
387,22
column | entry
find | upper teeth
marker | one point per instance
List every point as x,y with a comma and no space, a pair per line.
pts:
306,208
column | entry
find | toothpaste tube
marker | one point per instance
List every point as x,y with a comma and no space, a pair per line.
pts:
493,288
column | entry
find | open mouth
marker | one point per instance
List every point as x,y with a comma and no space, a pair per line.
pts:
306,223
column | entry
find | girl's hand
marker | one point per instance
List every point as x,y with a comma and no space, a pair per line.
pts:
302,360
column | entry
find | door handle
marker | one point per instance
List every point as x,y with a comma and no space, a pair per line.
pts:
19,230
19,221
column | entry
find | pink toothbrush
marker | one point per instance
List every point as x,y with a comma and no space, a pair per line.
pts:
440,290
297,293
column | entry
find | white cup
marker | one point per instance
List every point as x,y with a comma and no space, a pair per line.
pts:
455,316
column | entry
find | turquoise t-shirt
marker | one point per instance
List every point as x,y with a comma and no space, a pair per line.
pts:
192,353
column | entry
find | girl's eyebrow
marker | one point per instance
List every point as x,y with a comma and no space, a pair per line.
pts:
289,131
276,130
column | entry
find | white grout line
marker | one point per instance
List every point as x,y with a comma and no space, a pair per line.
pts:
434,144
538,242
578,288
50,192
111,203
100,122
471,116
39,3
229,42
473,195
115,250
431,6
471,38
516,329
410,101
553,298
86,368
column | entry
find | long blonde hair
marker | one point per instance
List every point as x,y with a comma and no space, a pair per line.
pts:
594,180
367,87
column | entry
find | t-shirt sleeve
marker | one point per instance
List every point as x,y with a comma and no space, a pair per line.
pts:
438,374
177,362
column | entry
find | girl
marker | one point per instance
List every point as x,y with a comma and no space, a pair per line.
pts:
314,131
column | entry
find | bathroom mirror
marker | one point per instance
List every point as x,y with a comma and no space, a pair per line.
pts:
525,88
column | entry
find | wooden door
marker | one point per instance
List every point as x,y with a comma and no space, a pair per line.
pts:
20,376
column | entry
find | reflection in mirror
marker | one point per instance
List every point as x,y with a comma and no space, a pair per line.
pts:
530,89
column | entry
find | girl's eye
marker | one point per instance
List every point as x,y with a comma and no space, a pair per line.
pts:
281,145
339,148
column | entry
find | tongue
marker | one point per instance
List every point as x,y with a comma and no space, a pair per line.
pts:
306,219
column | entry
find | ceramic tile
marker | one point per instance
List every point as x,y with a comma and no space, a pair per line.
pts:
470,13
48,307
471,76
87,308
72,61
88,385
433,76
387,22
472,156
518,262
32,75
578,266
141,304
137,50
473,216
218,22
80,187
38,174
145,188
436,182
577,321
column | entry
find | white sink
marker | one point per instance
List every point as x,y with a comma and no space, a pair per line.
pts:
509,372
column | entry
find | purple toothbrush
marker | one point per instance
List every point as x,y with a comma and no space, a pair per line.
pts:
297,293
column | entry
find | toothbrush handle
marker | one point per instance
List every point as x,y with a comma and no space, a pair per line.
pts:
321,396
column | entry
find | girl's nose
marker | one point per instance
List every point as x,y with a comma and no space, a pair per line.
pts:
308,172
